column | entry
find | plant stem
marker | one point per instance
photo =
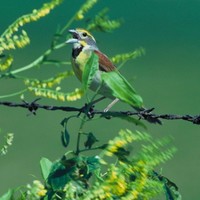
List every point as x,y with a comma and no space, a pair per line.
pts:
70,21
91,149
122,64
38,61
79,135
13,94
29,66
43,56
68,24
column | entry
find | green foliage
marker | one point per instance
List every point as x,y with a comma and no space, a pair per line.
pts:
117,83
132,120
171,189
7,195
34,191
77,176
41,88
90,70
101,22
76,171
131,177
65,136
121,88
127,56
46,165
34,16
91,140
12,38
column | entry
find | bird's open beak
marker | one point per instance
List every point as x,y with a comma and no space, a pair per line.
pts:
71,41
75,37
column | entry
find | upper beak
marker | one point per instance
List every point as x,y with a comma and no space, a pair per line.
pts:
72,31
74,39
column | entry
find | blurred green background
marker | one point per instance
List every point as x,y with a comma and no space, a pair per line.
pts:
167,77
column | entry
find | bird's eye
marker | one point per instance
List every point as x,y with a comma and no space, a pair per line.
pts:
84,34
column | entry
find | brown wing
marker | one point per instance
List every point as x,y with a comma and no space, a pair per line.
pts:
104,63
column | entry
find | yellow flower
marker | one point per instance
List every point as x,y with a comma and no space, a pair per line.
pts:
42,193
135,194
61,97
79,16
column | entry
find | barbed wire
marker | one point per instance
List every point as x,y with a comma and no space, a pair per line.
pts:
91,112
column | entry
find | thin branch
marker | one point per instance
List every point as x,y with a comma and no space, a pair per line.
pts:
13,94
92,149
34,106
40,60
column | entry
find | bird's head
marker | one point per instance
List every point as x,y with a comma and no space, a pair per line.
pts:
81,38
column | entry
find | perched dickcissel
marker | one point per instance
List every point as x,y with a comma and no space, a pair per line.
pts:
84,45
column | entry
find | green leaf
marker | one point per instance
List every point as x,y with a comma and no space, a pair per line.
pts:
45,165
65,136
90,69
59,176
171,190
121,88
93,163
7,195
67,170
122,154
130,119
91,139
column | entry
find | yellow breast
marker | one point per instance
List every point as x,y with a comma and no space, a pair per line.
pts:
79,63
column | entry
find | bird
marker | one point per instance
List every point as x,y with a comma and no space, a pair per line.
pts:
84,46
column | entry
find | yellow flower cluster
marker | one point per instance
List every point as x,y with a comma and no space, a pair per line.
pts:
49,82
10,41
116,182
37,190
73,96
14,41
127,56
122,140
140,182
85,8
70,190
132,179
101,22
6,63
9,140
34,16
54,94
